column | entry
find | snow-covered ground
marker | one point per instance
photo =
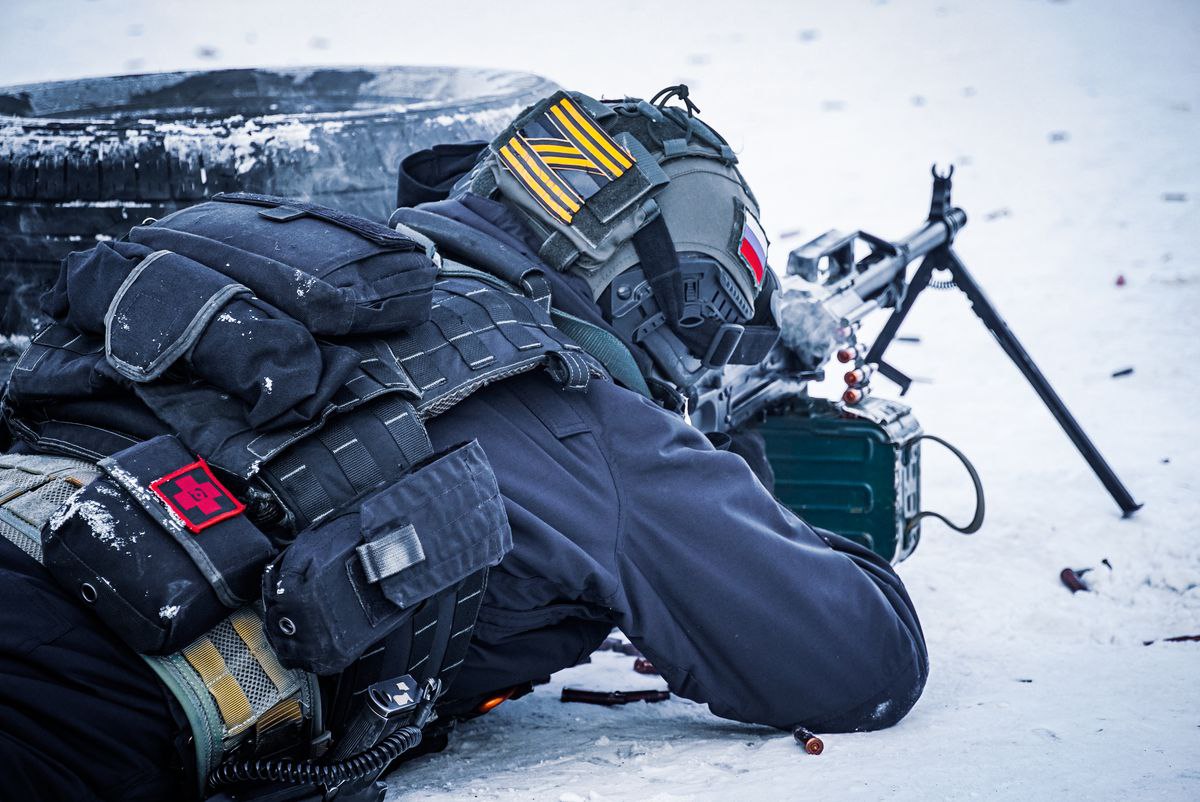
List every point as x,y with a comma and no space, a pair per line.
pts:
1074,128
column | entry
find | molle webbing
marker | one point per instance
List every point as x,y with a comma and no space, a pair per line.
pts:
433,643
354,453
32,488
477,335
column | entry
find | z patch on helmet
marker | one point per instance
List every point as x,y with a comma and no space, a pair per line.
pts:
196,496
561,156
752,248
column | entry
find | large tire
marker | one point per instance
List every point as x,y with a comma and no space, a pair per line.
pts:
82,161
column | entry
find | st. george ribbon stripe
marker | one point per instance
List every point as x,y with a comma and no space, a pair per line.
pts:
539,192
594,151
599,135
556,185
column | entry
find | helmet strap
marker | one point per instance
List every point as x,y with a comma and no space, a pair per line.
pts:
660,264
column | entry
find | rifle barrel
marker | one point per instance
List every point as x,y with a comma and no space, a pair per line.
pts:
916,245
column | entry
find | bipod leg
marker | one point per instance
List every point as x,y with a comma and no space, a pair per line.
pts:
918,282
1020,357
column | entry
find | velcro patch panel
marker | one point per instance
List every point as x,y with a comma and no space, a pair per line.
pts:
562,156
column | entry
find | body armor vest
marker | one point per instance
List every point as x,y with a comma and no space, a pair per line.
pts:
358,509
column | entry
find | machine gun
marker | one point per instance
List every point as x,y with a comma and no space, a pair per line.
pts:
820,315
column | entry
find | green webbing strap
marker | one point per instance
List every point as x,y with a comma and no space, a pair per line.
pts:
611,352
203,717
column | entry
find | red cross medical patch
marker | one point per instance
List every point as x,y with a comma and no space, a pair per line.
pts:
196,496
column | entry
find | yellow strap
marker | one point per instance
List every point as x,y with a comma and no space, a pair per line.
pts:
285,713
571,162
231,700
591,148
249,628
560,147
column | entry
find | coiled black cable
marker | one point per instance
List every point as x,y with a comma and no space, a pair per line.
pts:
309,772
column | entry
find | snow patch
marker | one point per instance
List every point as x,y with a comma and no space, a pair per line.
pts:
93,513
304,282
881,710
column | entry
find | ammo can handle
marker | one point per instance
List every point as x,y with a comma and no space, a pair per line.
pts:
976,521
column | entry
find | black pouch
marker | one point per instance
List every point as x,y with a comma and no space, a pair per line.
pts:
347,583
159,548
336,273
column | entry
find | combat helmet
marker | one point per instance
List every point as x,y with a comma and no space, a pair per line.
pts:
646,203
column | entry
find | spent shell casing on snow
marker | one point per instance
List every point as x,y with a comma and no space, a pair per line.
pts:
1072,579
644,666
809,740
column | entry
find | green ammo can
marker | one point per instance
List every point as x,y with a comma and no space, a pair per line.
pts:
854,470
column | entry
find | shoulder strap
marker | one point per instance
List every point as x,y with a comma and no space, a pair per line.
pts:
611,352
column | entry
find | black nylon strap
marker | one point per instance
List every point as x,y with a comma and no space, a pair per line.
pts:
569,369
351,455
405,426
507,319
309,497
414,349
660,264
424,623
424,372
461,337
466,608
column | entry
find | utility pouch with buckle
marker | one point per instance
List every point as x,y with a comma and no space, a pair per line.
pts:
335,273
348,582
158,547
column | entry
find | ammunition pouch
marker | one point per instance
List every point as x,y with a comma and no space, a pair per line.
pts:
351,581
159,561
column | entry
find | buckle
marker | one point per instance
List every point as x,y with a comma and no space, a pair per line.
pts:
393,697
723,344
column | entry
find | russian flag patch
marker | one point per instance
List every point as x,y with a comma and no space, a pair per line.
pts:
753,248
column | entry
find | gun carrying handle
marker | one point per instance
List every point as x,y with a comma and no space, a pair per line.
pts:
977,520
